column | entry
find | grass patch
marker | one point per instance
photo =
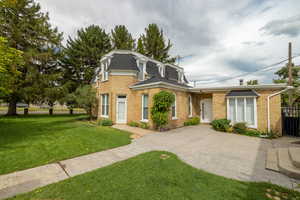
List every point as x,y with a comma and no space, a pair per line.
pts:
29,141
155,176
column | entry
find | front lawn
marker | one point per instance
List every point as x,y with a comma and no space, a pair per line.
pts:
156,176
35,140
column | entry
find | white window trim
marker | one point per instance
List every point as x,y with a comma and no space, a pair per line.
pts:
190,105
107,96
144,120
175,117
255,109
143,62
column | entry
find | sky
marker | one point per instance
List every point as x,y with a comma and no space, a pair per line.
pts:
218,39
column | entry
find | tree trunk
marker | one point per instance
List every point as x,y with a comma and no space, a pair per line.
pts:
50,111
71,111
25,111
12,108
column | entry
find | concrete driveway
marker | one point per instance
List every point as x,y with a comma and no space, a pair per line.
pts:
230,155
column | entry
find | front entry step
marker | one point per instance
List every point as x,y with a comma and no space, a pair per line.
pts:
285,161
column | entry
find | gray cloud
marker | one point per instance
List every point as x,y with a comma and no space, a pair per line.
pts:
289,26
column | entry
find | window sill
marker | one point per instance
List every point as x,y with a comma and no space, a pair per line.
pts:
190,116
104,116
104,81
174,118
144,120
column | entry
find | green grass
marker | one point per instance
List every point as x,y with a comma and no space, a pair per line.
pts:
35,109
151,176
35,140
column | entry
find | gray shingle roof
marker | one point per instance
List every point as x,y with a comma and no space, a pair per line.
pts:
155,79
152,69
242,93
123,62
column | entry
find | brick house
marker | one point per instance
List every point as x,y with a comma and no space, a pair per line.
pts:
127,81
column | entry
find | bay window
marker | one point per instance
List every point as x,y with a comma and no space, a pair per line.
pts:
242,109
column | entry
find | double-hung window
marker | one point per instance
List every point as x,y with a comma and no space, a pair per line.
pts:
173,109
190,108
141,74
145,107
104,105
242,109
105,71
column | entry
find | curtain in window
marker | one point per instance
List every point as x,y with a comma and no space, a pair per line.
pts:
250,111
145,106
104,106
232,110
240,110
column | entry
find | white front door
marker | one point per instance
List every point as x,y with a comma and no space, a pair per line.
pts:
121,109
206,110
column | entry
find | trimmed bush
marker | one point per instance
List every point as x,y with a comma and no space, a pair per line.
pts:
162,102
192,121
133,124
144,125
105,122
240,128
221,125
252,132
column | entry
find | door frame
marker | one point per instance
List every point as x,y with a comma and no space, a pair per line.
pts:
117,101
201,111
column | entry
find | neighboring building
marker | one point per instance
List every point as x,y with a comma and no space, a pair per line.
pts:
127,81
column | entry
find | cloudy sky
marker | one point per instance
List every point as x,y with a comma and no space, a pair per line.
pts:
219,39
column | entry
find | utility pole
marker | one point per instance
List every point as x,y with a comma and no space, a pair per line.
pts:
290,74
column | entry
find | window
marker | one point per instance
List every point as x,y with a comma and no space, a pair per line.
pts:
173,108
104,105
104,67
145,108
162,70
190,108
141,74
242,109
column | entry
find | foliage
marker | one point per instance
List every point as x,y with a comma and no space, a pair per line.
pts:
82,55
43,139
192,121
11,60
168,176
252,82
133,124
86,98
105,122
27,29
144,125
153,45
162,102
283,78
240,128
221,124
252,132
121,38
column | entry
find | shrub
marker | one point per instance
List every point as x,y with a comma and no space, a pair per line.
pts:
105,122
252,132
192,121
144,125
221,124
133,124
162,102
240,128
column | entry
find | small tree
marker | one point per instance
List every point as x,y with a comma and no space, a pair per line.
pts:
86,98
121,38
162,102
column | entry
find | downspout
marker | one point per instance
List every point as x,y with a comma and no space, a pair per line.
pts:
268,102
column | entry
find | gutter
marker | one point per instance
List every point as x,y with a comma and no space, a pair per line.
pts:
268,102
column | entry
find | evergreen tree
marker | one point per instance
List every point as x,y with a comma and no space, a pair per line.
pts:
82,55
28,29
252,82
154,45
140,46
121,38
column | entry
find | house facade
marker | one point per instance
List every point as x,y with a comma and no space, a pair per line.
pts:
127,81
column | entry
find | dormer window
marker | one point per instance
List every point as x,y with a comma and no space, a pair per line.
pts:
162,70
142,69
104,70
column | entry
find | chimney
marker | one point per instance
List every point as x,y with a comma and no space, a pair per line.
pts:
241,81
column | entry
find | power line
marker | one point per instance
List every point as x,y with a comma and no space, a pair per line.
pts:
264,69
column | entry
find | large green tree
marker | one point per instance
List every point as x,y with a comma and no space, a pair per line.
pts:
10,62
153,44
121,38
283,75
28,29
82,55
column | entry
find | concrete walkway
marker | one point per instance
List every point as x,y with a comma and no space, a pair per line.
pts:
229,155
